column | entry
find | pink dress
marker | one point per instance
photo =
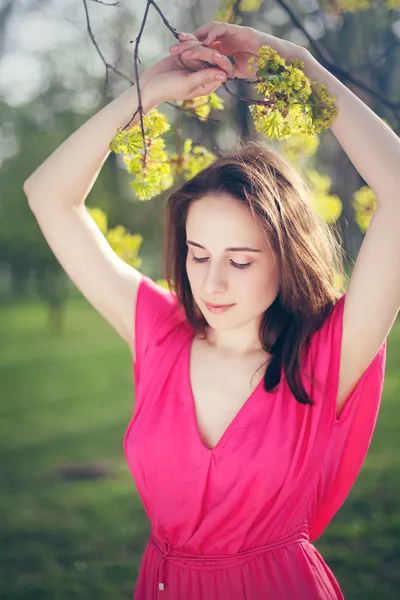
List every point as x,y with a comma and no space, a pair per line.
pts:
237,521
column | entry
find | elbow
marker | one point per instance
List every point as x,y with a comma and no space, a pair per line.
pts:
25,188
28,193
29,196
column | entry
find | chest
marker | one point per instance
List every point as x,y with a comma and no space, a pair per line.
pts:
220,387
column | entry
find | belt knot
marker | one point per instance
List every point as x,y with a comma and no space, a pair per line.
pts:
206,561
165,549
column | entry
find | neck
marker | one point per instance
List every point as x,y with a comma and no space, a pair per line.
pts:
236,342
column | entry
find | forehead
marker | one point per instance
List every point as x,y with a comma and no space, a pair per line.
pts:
224,218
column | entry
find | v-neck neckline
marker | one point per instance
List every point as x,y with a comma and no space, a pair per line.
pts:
190,395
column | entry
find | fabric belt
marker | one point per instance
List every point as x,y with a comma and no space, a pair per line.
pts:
210,561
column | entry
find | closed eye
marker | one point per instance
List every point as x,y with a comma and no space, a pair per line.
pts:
233,263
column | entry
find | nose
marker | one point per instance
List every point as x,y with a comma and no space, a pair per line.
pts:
215,280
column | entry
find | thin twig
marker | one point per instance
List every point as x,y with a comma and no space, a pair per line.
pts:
134,115
106,3
174,32
139,94
126,77
252,81
249,100
107,65
319,49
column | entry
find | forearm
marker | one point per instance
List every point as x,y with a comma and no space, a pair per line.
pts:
372,147
68,174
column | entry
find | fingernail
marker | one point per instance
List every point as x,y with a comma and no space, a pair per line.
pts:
218,55
221,77
184,34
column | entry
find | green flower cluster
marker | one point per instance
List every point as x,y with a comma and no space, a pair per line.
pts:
124,244
249,5
201,106
225,12
159,171
364,204
152,176
191,160
295,104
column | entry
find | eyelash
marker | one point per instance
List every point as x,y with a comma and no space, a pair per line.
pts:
236,265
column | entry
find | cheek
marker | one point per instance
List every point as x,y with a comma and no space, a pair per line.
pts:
256,286
260,289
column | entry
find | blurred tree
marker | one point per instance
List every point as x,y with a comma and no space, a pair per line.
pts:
360,48
23,248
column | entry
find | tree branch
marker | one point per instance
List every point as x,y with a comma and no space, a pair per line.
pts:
107,65
106,3
135,60
164,20
324,56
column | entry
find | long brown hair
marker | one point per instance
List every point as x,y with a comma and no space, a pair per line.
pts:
306,247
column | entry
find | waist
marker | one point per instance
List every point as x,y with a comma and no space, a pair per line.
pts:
215,561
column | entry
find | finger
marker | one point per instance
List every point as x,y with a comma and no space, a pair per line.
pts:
202,32
211,56
211,32
187,36
181,46
216,32
205,82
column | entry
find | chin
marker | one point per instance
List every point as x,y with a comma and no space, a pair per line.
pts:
219,323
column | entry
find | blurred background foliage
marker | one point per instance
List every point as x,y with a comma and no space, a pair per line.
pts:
72,524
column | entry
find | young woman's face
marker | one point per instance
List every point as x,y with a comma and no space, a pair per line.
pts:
220,275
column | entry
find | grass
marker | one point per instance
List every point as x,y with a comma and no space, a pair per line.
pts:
66,401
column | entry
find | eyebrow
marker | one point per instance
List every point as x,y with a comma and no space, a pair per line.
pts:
238,249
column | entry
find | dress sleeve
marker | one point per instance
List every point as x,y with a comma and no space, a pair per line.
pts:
348,437
156,312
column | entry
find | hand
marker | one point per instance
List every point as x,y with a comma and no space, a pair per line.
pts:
243,42
176,78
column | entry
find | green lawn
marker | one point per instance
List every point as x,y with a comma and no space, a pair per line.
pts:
66,401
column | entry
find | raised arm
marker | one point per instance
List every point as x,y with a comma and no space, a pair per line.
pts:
57,191
56,194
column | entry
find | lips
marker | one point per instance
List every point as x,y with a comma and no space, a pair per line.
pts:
218,305
218,308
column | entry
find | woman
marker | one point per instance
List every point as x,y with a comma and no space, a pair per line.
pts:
239,461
